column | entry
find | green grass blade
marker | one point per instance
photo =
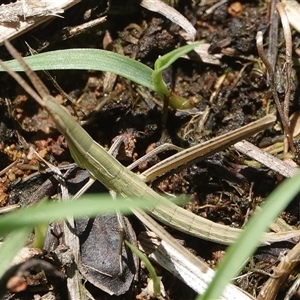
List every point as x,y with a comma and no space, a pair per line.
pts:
89,59
102,60
163,63
246,244
88,205
12,245
150,268
166,60
20,223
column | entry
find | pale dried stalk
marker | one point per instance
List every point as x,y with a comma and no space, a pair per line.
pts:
292,9
281,273
170,13
32,18
266,159
177,264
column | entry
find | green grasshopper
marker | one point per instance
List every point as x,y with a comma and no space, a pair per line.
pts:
103,167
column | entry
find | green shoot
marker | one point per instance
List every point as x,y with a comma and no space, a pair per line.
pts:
102,60
152,273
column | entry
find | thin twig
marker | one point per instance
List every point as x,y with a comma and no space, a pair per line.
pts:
288,61
260,50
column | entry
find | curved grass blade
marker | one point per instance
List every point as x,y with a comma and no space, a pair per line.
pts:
163,63
89,59
150,268
107,61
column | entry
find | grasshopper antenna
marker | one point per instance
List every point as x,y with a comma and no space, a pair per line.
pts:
36,81
22,83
